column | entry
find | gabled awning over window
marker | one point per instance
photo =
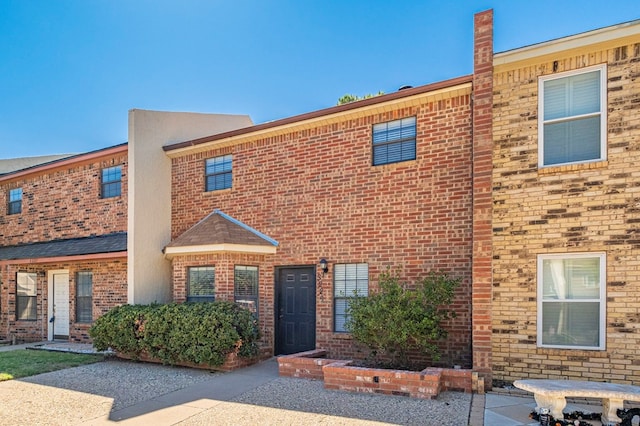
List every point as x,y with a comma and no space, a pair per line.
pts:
217,233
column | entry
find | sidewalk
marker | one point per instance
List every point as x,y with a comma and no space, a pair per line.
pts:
512,408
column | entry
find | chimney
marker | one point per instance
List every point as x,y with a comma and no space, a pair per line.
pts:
482,167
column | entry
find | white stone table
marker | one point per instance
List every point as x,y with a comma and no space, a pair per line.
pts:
551,394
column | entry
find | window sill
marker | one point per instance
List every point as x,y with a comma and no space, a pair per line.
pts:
217,191
572,167
595,352
339,335
395,164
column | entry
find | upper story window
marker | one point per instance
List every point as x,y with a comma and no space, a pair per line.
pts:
571,300
218,173
349,280
394,141
572,117
15,201
201,285
111,182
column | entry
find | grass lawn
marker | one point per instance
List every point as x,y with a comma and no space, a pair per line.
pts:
23,363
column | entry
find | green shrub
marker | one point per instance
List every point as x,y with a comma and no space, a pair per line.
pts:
397,320
200,333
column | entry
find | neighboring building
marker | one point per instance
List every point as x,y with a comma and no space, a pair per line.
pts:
12,164
566,215
64,221
63,241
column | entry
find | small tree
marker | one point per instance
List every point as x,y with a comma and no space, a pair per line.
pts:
398,320
347,98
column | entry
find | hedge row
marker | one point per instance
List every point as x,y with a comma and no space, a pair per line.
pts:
200,333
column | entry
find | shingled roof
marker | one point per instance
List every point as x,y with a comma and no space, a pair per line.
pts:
72,247
219,232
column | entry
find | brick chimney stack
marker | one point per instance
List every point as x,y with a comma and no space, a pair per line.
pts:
482,203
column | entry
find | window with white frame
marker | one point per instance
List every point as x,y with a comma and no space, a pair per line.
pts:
245,282
84,296
111,182
572,117
218,173
394,141
572,300
349,280
26,293
201,284
15,201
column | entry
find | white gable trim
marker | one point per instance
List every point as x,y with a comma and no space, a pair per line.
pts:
171,252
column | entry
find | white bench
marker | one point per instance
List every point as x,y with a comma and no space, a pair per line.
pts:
551,394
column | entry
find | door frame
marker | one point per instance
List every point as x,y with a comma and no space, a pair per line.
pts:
276,306
50,295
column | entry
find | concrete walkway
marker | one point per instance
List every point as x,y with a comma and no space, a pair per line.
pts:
512,408
187,404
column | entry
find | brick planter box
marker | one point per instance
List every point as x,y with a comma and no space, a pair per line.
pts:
232,362
304,365
340,375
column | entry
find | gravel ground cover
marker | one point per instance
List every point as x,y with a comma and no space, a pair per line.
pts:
87,394
451,408
75,395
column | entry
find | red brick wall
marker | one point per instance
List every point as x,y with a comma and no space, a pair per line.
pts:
109,290
316,193
64,203
482,202
224,286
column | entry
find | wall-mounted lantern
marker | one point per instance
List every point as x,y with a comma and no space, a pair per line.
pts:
324,265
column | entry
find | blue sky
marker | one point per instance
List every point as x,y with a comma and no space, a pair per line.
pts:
70,70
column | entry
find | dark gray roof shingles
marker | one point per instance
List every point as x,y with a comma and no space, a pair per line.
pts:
110,243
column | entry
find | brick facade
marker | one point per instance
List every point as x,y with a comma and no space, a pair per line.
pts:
567,209
109,290
62,201
313,189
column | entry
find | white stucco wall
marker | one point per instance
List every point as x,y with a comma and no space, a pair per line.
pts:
149,192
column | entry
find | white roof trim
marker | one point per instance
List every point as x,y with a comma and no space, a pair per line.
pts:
602,35
170,252
245,226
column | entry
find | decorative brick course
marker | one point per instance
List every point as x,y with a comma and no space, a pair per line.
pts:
482,166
